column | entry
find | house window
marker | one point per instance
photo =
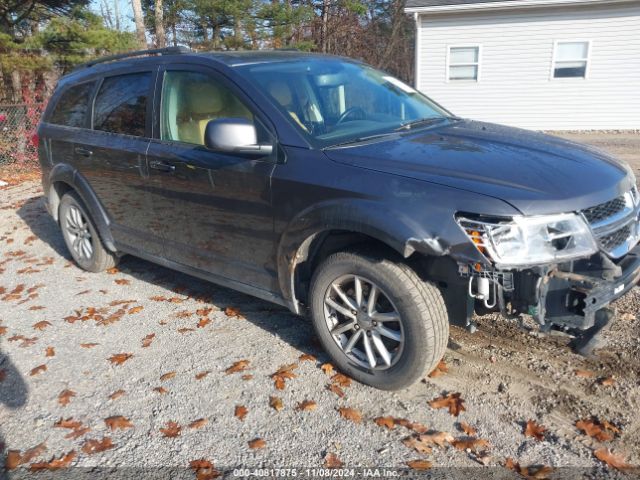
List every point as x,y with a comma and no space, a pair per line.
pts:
571,60
464,63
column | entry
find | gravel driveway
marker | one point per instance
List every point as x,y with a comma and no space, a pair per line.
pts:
150,368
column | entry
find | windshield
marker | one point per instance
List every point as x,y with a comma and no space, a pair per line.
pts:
334,102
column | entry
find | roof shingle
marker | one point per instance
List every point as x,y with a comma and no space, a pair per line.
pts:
440,3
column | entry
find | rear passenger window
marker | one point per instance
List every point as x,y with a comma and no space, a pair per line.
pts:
121,104
73,105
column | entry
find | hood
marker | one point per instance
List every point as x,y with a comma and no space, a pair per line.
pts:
534,172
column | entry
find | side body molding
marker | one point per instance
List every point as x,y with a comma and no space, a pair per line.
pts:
66,174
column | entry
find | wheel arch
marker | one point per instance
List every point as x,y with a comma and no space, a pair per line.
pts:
64,178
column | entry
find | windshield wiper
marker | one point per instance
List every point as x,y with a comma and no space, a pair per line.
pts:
361,139
423,122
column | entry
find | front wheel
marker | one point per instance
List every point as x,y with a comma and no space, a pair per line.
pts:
378,320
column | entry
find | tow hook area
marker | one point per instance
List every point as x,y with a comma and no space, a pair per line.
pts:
590,339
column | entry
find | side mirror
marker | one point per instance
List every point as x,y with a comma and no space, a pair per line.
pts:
234,135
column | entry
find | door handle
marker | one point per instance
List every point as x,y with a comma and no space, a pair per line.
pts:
162,166
83,151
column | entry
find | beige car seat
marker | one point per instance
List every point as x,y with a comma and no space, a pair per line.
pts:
201,103
281,92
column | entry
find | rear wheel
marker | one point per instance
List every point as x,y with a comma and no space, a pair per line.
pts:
81,236
377,319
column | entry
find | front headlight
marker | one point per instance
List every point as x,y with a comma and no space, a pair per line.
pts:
527,241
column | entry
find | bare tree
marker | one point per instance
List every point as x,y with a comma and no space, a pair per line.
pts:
137,15
161,38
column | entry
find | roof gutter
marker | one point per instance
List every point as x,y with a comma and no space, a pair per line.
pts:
508,5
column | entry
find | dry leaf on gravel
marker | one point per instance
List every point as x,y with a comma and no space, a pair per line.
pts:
171,430
341,380
472,444
160,390
201,375
388,422
146,341
117,394
65,397
50,352
467,429
89,345
41,325
534,472
136,309
204,469
336,389
416,427
204,322
55,463
240,412
440,439
276,403
37,370
307,406
118,422
283,374
616,461
257,443
532,429
69,423
415,443
233,313
167,376
419,465
307,357
593,428
96,446
440,369
608,381
120,358
331,460
246,377
122,281
327,368
15,458
584,373
350,414
201,422
452,402
239,366
3,375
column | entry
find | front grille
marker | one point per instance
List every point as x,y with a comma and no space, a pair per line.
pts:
616,239
605,210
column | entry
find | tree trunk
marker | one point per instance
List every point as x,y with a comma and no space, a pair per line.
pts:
137,15
324,27
161,38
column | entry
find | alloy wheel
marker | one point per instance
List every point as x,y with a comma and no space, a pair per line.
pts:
79,234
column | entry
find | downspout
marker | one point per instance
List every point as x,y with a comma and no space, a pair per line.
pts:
416,73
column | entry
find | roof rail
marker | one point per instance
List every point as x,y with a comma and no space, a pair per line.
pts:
137,53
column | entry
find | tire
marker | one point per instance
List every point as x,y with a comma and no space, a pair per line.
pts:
423,326
73,217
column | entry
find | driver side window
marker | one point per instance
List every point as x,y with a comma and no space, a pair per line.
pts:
190,100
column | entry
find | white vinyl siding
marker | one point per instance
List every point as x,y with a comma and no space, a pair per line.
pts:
518,59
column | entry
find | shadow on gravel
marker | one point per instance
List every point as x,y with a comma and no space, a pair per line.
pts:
13,394
272,318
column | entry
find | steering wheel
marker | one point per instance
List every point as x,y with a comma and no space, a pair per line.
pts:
350,111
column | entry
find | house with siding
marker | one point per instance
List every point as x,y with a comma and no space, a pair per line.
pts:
537,64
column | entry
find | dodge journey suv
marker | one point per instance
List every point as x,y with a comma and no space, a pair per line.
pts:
337,190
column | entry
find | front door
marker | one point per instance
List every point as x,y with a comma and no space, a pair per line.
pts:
214,209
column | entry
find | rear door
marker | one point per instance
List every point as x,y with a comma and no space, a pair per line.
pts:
214,208
112,156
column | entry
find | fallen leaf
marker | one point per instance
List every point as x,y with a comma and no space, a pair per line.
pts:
388,422
167,376
201,375
532,472
611,427
201,422
15,458
307,357
89,345
608,382
283,374
78,433
336,389
532,429
331,460
307,406
440,439
350,414
257,443
118,422
133,310
239,366
204,312
204,322
69,423
171,430
41,325
452,401
327,368
276,403
440,369
419,465
96,446
50,352
117,394
122,281
37,370
241,412
120,358
341,380
473,444
113,271
616,461
468,429
593,428
3,331
204,469
160,390
584,373
3,375
483,458
247,377
185,330
55,463
146,341
233,313
65,397
415,443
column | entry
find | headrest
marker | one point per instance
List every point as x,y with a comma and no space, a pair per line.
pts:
281,92
203,98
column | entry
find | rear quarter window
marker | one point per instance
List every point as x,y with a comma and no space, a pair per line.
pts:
72,108
121,104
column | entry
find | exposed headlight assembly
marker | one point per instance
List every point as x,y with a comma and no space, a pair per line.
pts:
527,241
